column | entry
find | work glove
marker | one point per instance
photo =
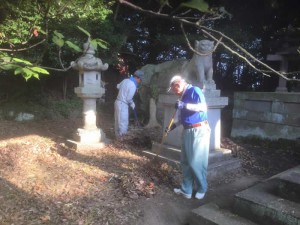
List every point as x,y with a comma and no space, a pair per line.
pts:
180,104
132,105
167,130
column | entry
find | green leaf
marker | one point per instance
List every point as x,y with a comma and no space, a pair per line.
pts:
73,46
59,35
94,44
28,73
39,70
22,61
9,66
18,71
7,59
200,5
58,41
101,43
27,77
84,31
36,76
44,32
10,60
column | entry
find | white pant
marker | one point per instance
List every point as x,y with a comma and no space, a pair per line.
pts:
121,118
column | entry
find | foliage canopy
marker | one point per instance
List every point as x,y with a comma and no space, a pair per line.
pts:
37,35
52,32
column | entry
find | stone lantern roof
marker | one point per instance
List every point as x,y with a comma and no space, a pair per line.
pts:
88,62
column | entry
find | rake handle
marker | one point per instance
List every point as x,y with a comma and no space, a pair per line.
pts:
169,126
136,118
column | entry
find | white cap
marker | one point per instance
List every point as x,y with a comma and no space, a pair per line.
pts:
174,79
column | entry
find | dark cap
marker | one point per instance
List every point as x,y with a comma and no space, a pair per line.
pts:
139,73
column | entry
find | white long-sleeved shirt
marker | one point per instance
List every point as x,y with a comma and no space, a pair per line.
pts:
127,89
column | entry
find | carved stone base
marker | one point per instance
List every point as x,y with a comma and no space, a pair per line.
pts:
210,90
82,147
210,85
211,93
90,136
92,139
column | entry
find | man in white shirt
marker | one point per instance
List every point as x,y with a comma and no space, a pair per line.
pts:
127,89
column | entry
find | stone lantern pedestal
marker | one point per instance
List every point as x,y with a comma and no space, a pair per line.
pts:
89,90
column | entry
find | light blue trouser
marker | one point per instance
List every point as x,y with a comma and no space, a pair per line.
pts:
121,118
194,158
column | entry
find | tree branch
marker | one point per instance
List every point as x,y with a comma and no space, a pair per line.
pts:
210,32
22,49
191,47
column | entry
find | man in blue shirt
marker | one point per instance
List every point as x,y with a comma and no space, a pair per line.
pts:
127,89
192,114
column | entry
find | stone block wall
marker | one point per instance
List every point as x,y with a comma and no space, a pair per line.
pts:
266,115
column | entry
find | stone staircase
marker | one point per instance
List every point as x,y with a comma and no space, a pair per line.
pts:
275,201
220,161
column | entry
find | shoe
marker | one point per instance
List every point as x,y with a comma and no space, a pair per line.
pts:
180,192
199,195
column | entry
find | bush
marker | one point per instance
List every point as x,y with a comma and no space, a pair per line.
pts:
67,108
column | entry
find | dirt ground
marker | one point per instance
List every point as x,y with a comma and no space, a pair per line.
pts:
44,181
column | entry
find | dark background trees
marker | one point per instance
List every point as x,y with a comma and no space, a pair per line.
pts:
260,27
136,39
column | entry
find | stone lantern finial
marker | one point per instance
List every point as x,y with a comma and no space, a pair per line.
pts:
88,48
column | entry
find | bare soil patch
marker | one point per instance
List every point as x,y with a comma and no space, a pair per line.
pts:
43,181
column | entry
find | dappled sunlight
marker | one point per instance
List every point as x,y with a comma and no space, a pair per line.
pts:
49,129
44,180
33,165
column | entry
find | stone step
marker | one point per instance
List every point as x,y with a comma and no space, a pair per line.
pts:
174,153
261,204
214,170
166,151
274,201
219,155
152,155
220,161
221,168
292,175
288,184
212,214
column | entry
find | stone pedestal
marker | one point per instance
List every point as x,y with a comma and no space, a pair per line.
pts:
89,139
215,104
90,133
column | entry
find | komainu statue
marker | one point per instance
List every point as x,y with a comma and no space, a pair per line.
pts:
199,70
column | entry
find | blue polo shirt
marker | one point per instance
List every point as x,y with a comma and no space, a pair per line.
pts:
192,95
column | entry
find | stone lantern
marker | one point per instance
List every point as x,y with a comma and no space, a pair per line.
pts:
90,89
